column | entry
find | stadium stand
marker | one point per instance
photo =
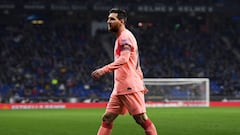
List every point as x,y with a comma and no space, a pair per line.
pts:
52,60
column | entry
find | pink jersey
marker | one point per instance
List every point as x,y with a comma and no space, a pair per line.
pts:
128,75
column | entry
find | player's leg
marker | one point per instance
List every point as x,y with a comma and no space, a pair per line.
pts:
145,123
107,123
135,104
114,108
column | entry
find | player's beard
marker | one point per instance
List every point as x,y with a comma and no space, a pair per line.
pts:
112,28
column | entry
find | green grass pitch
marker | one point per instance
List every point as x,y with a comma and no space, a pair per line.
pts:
169,121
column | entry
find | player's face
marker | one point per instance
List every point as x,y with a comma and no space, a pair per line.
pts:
113,22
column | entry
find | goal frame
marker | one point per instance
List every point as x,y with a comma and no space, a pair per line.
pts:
156,81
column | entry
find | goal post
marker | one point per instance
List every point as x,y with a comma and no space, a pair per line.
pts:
177,92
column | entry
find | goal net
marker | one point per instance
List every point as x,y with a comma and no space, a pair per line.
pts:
177,92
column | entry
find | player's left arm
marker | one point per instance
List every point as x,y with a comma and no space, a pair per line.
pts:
121,60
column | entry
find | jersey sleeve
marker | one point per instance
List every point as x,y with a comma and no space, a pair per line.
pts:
125,52
121,60
125,41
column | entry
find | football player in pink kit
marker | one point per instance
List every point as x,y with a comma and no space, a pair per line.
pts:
129,90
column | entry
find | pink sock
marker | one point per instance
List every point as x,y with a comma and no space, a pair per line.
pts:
149,128
105,129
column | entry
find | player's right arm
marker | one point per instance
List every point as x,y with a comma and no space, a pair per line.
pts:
121,60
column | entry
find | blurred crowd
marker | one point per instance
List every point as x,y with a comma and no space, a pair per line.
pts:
53,61
194,48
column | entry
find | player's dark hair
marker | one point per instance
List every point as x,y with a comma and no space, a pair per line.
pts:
122,14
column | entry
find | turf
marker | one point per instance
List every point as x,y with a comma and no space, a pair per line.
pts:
169,121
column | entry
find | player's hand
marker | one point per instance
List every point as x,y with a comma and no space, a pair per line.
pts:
96,74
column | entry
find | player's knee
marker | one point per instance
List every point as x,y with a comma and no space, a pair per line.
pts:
108,117
140,119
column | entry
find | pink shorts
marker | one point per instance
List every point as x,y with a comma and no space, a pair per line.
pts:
121,104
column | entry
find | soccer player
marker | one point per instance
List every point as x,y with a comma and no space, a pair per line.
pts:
128,92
